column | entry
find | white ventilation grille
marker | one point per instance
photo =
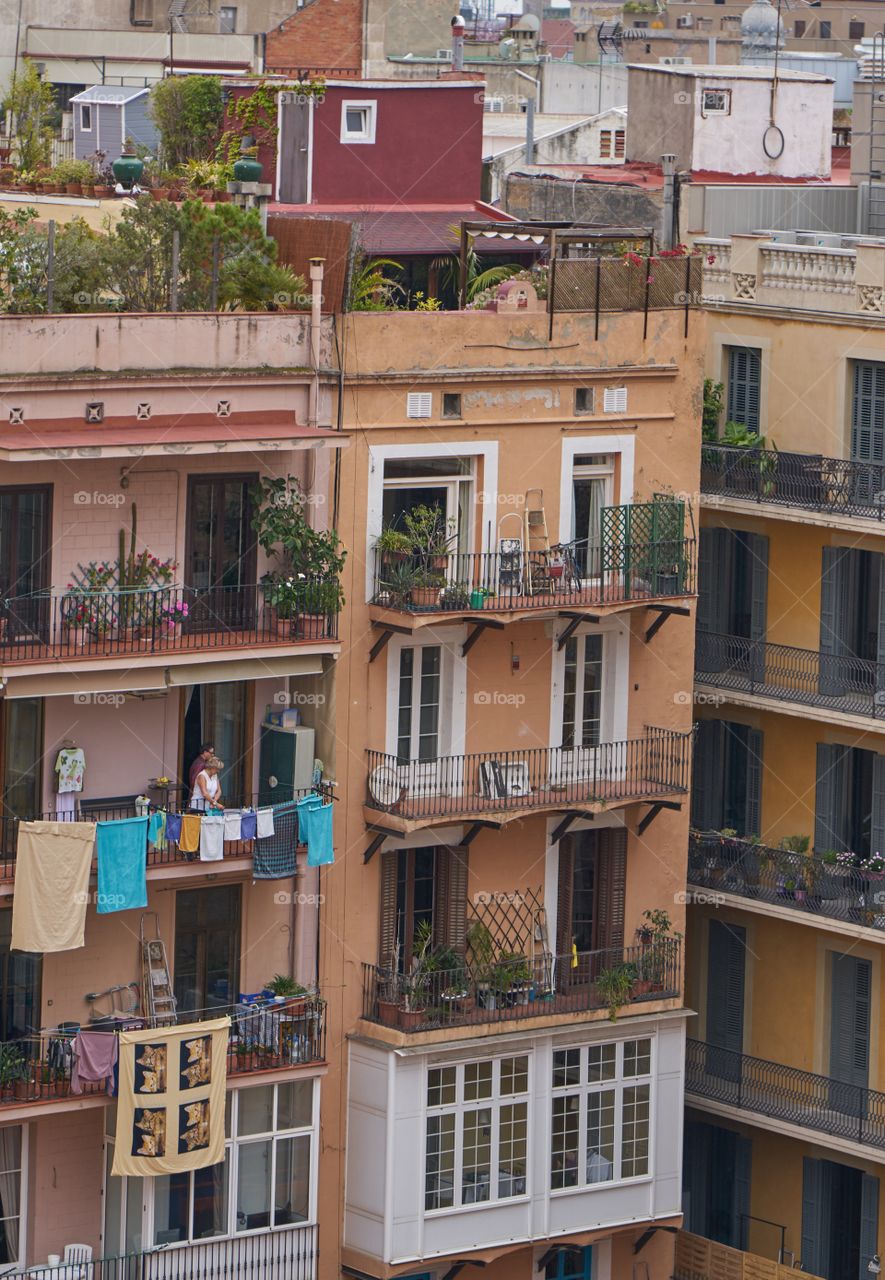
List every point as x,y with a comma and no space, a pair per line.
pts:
614,400
223,410
142,411
17,416
95,411
419,404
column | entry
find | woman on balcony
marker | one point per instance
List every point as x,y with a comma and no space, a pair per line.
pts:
207,787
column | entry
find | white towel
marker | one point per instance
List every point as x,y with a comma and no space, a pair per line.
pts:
64,806
232,823
265,823
212,837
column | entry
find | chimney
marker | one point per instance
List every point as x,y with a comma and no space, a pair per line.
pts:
316,320
668,166
458,27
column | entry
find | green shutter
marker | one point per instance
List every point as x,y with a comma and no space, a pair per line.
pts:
753,813
707,775
812,1216
868,412
833,612
757,546
387,932
880,643
850,992
726,980
869,1223
743,1152
831,796
877,822
744,384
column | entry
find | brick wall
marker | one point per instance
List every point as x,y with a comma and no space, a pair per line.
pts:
326,36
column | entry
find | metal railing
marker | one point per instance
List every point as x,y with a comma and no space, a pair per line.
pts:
801,882
840,682
516,580
515,987
539,777
83,624
812,482
286,1253
38,1068
785,1093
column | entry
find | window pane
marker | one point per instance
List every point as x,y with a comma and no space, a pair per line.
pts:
256,1110
171,1207
564,1146
355,117
634,1123
477,1081
637,1057
134,1196
601,1136
295,1104
210,1200
404,722
514,1075
601,1062
113,1206
440,1086
566,1067
253,1185
292,1180
439,1166
476,1163
512,1149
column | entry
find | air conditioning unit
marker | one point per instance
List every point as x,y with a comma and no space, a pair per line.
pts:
444,55
675,62
492,104
685,20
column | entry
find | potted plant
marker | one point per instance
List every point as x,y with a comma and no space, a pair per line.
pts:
70,175
614,986
309,561
170,618
481,953
392,545
426,589
128,167
511,978
388,991
415,983
431,534
396,586
76,617
15,1073
656,938
286,990
455,596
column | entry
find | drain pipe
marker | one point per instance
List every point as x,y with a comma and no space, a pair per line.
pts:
316,320
530,131
668,166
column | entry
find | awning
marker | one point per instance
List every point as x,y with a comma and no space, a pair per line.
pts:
21,682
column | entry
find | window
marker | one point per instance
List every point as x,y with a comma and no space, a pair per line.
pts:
868,412
856,30
570,1264
825,30
744,384
727,778
207,947
85,117
593,476
451,404
715,102
442,483
584,399
848,809
733,594
419,703
358,121
590,895
422,889
601,1113
605,144
614,400
227,20
582,692
476,1148
13,1151
620,143
419,404
266,1179
798,28
20,977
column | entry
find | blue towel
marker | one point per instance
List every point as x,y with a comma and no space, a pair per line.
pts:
157,828
315,830
173,827
122,858
248,824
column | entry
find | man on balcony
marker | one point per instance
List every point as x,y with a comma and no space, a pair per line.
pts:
198,764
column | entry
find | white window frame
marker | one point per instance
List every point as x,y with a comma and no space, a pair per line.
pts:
711,92
458,1109
85,106
24,1179
232,1144
603,470
579,762
623,447
583,1089
365,136
422,776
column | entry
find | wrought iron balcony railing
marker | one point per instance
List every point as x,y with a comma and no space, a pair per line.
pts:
838,486
564,578
537,778
785,1093
38,1068
83,624
838,682
801,882
515,987
286,1253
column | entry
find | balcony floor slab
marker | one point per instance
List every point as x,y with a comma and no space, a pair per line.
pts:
793,515
801,710
808,1136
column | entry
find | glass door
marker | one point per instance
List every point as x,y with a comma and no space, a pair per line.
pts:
581,725
220,714
24,563
592,485
207,948
21,760
221,552
417,744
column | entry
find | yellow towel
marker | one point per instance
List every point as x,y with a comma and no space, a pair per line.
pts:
51,885
190,833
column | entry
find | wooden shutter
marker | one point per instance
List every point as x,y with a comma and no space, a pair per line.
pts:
450,899
833,602
850,993
757,546
707,775
868,412
830,796
880,640
743,1154
387,936
726,955
753,809
715,552
812,1216
564,896
744,382
611,885
869,1222
877,822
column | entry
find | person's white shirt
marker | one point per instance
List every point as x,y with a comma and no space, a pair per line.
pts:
210,781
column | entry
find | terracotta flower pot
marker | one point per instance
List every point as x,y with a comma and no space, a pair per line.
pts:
409,1019
159,193
74,188
388,1012
102,192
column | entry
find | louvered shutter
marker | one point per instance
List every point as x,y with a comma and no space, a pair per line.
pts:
880,645
757,547
611,887
743,1153
450,899
744,384
830,797
564,896
812,1216
387,944
753,809
877,822
835,566
850,992
869,1222
868,412
707,776
726,953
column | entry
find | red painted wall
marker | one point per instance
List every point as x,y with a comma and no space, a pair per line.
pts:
427,149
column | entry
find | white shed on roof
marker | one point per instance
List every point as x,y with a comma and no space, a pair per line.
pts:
106,115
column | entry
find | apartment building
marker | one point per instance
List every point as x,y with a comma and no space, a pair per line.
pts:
514,792
153,432
784,1139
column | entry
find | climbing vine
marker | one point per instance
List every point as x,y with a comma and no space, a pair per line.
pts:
255,114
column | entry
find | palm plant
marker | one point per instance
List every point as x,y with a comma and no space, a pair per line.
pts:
477,279
370,289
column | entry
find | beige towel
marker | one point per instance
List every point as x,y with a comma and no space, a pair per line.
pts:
52,868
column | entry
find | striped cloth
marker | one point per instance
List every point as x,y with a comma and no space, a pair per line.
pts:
273,858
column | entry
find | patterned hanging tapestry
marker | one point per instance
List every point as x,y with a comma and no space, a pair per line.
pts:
170,1108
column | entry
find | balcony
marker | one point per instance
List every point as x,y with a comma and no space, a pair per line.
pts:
802,481
83,627
508,586
515,988
501,786
786,1094
837,683
800,882
38,1068
288,1253
700,1259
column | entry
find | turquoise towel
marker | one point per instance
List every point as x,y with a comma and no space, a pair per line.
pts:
122,859
318,834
